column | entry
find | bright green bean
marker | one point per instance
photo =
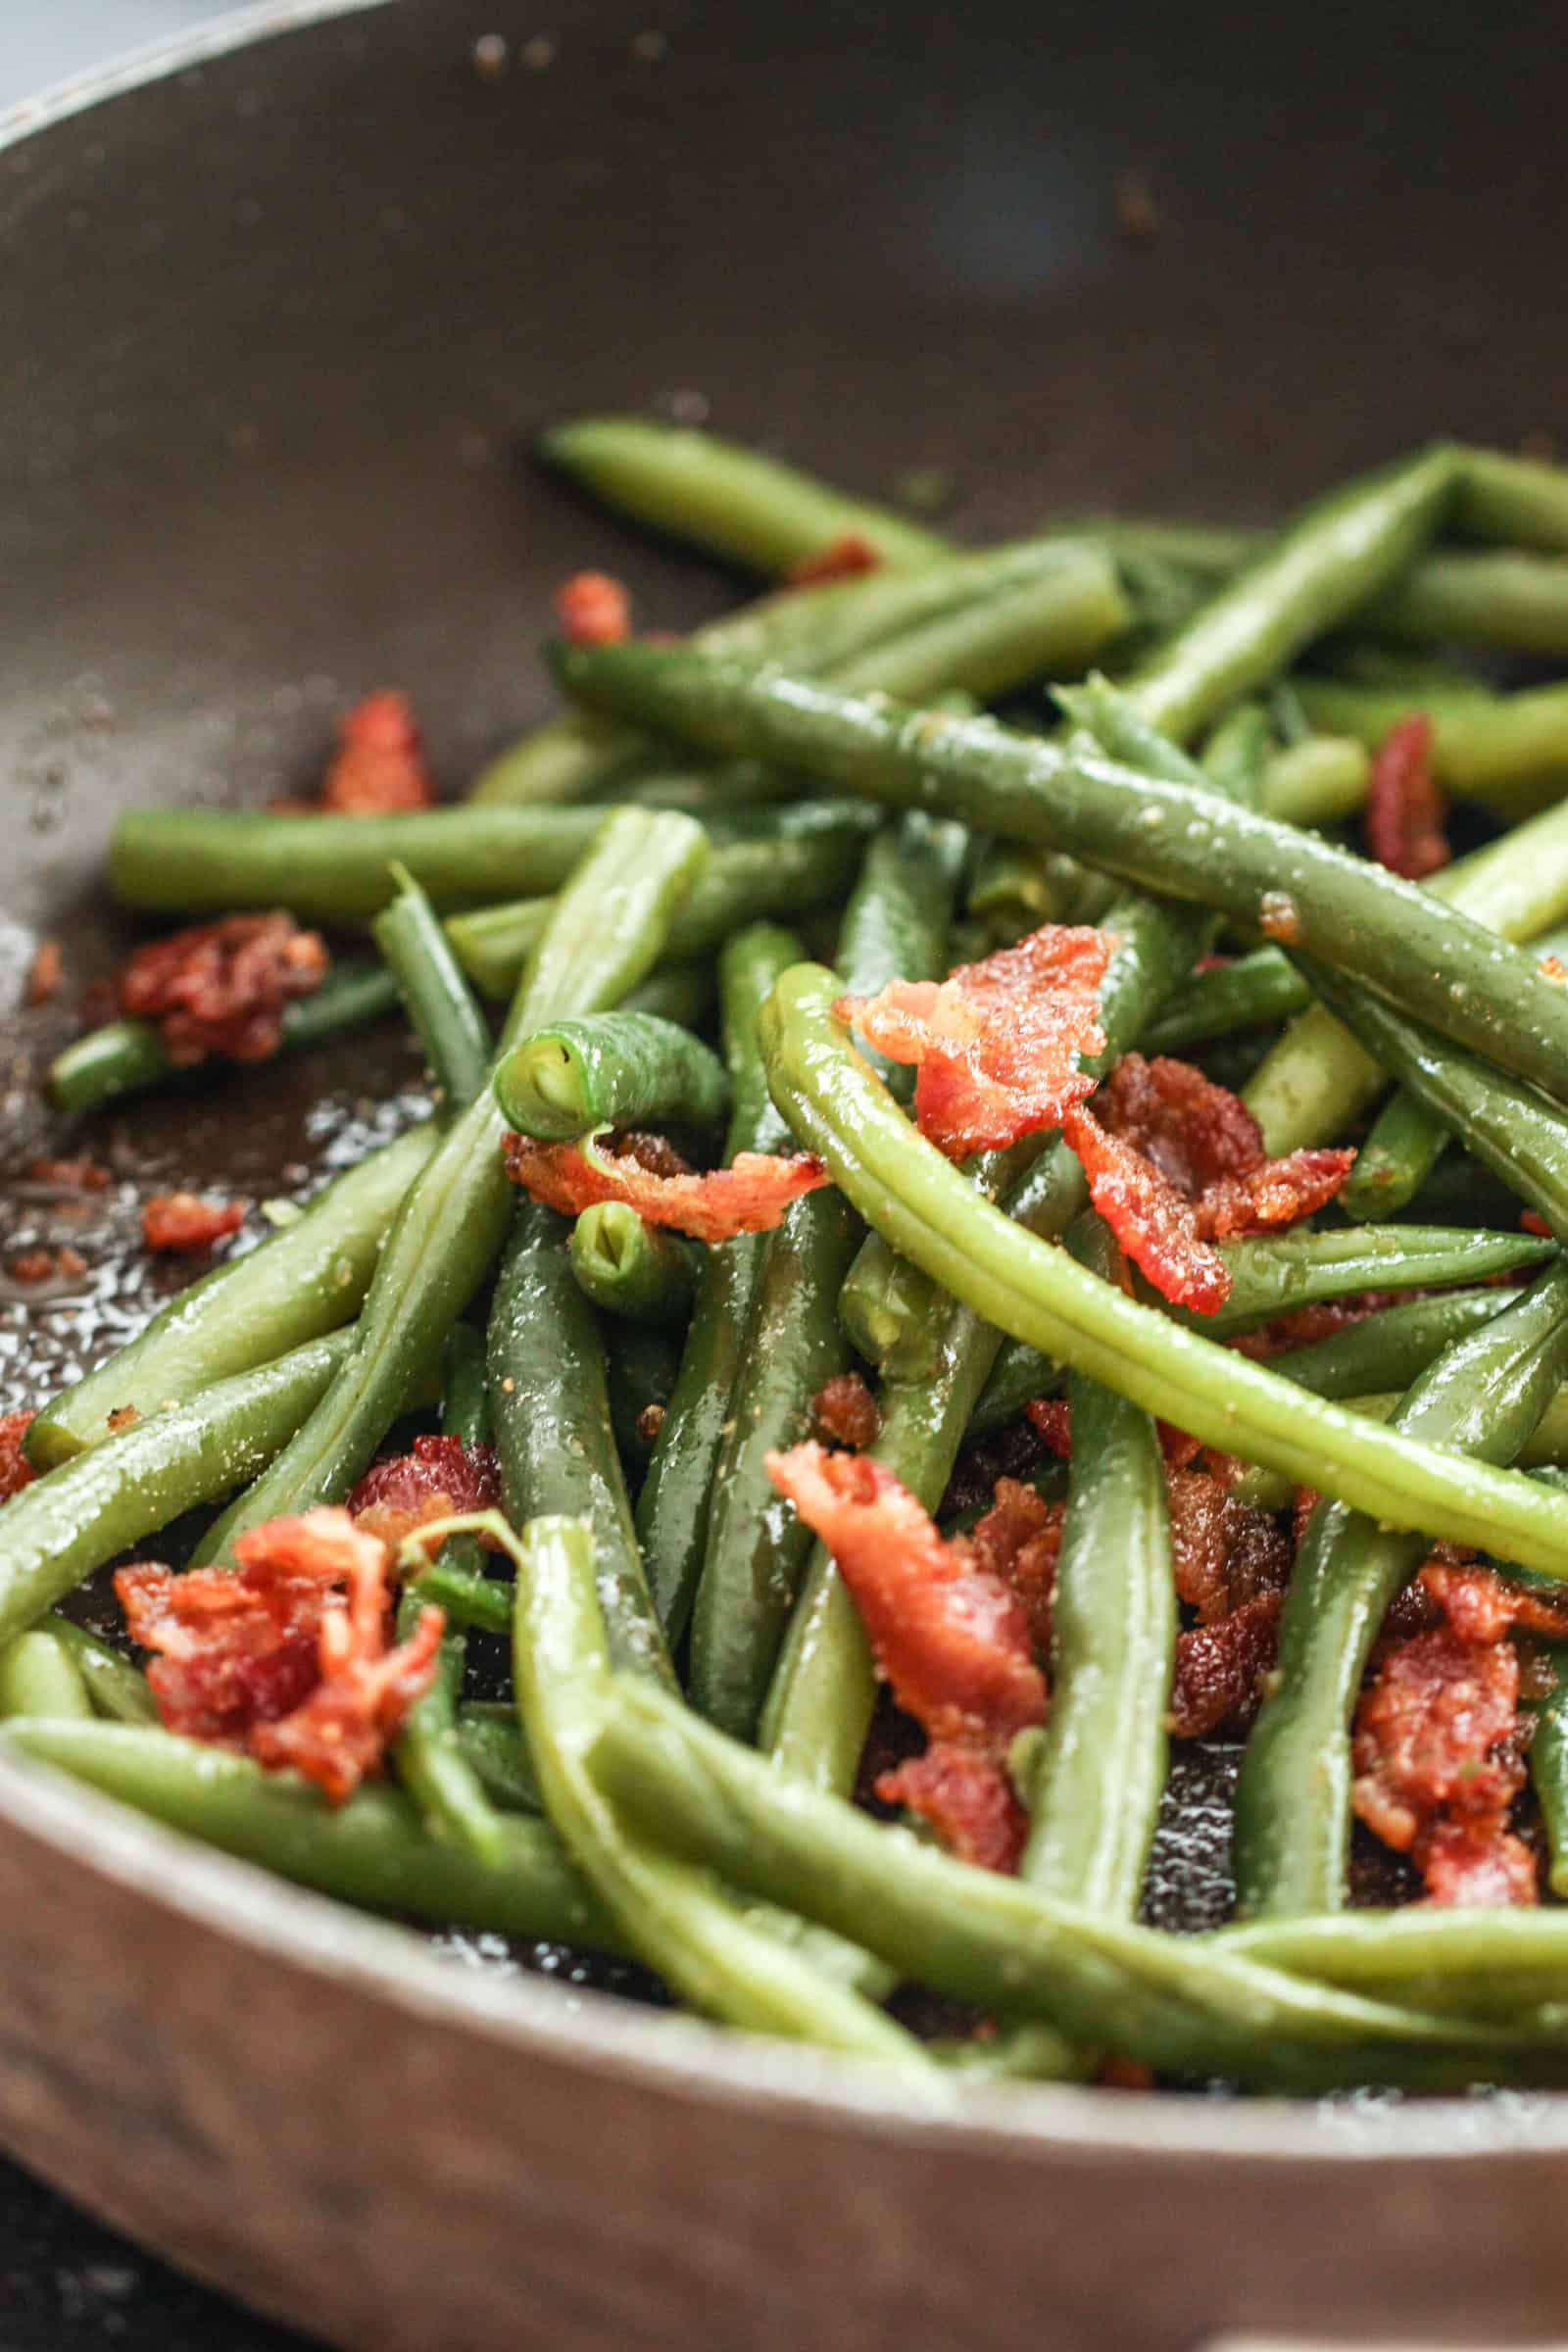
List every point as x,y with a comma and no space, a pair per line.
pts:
449,1024
39,1677
626,1268
611,1068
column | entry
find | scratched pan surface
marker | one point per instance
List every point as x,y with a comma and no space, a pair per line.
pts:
276,323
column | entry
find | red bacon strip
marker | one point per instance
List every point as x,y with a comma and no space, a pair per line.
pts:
221,988
1405,807
1220,1668
439,1479
843,559
183,1222
379,765
749,1196
593,609
996,1044
288,1656
16,1471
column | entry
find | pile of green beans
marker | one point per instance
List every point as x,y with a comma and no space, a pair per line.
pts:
671,1777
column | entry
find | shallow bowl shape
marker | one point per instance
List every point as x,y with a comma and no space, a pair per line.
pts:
278,319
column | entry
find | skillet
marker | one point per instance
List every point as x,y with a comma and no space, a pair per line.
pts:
277,314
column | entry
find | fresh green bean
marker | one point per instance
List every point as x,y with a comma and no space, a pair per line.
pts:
447,1021
124,1058
1516,603
1502,1965
1521,501
39,1677
115,1686
1390,1348
1180,2007
642,1361
673,1506
1254,992
666,1909
1549,1774
1481,1398
307,1279
902,1186
469,1598
609,1069
56,1531
626,1268
1316,781
682,992
372,1851
1510,752
1166,838
607,931
491,1738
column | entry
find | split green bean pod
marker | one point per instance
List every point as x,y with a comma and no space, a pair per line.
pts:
611,1069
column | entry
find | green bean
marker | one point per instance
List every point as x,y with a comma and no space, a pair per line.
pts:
625,1267
448,1022
611,1068
1180,2006
1481,1398
642,1361
1316,781
682,992
491,1738
1520,499
1510,752
1502,1965
904,1187
1388,1349
1254,992
39,1677
1014,889
606,932
672,1507
756,1552
124,1058
115,1686
372,1851
307,1279
666,1909
1516,603
469,1598
1164,837
1549,1774
1318,1079
723,497
56,1531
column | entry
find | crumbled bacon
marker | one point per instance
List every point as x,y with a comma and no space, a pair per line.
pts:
843,559
16,1471
1019,1540
288,1655
1437,1764
222,988
593,609
966,1798
749,1196
44,974
45,1265
1405,807
1221,1669
1481,1606
845,1410
379,767
1224,1554
185,1222
70,1175
1305,1326
946,1630
439,1479
1176,1162
1052,1417
998,1043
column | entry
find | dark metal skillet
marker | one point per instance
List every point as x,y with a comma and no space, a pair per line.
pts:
274,324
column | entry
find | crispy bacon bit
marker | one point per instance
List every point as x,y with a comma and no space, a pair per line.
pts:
845,1410
69,1262
649,1421
221,988
70,1175
749,1196
1305,1326
1405,807
843,559
1553,968
289,1656
185,1222
44,974
440,1477
1221,1669
593,609
946,1630
1019,1540
653,1153
1531,1222
1175,1163
1052,1417
1279,918
1224,1552
1482,1606
124,1416
996,1044
34,1265
1437,1764
16,1471
379,765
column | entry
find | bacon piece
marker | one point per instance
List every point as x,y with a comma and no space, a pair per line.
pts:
47,1265
1405,807
845,1410
16,1471
379,765
1220,1668
44,974
1176,1162
1482,1606
593,609
946,1630
1224,1554
185,1222
996,1044
844,559
749,1196
1305,1326
1052,1417
1019,1540
287,1656
70,1175
221,988
439,1479
1481,1865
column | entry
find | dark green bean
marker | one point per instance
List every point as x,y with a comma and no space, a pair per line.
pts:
1549,1774
491,1738
611,1069
682,992
1390,1348
117,1687
1507,751
1523,501
626,1268
1254,992
39,1677
642,1362
449,1024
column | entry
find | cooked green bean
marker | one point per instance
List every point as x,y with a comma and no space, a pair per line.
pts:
1167,838
56,1531
122,1057
1481,1398
39,1677
449,1024
1254,992
1316,781
115,1686
1508,751
672,1507
308,1278
642,1362
1488,1964
609,1069
469,1598
1522,501
1390,1348
491,1738
682,992
666,1909
1549,1774
626,1268
607,931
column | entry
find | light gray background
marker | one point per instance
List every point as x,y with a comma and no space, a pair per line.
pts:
43,41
